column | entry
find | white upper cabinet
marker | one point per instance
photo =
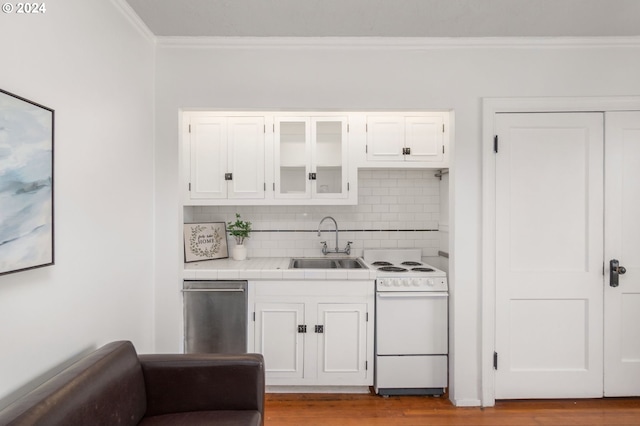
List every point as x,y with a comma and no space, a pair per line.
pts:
225,156
246,157
407,140
301,158
208,157
311,158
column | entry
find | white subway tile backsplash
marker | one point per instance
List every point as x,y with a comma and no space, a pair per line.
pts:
396,209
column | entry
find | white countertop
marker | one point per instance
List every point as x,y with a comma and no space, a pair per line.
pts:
266,268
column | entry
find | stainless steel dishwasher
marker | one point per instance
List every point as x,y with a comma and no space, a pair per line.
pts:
215,316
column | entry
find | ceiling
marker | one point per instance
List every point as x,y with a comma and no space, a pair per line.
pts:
390,18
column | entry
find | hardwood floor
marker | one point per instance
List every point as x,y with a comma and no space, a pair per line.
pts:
345,410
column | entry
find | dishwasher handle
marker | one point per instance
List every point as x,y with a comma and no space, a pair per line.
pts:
213,290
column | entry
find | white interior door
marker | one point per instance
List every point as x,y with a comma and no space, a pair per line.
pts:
549,253
622,242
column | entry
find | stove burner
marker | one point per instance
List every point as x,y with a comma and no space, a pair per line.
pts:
422,269
410,263
392,269
382,263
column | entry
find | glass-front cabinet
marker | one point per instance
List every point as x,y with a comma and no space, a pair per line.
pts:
310,157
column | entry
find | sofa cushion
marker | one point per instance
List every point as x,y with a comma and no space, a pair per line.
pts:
202,418
203,382
104,388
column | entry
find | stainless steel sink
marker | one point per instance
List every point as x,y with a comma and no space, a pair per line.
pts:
325,263
351,264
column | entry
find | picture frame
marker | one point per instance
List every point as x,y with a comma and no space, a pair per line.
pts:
26,184
205,241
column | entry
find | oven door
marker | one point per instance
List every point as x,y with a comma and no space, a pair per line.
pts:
411,323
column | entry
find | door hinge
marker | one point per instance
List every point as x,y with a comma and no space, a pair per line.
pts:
366,316
189,186
443,149
319,329
495,360
495,143
274,187
254,317
264,186
189,128
443,128
366,149
348,188
302,329
264,128
366,365
347,128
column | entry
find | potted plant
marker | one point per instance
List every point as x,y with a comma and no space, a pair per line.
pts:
240,230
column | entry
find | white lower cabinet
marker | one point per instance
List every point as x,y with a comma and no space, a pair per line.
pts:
314,333
278,338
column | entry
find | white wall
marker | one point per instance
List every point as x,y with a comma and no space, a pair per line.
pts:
390,75
95,69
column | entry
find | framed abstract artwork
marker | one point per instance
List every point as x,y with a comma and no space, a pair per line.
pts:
205,241
26,184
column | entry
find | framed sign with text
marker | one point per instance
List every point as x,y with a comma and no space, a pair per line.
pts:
205,241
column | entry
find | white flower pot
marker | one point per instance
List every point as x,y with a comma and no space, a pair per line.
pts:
239,252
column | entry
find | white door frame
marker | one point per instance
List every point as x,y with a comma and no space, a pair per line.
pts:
490,107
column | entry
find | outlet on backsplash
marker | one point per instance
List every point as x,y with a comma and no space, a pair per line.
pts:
396,209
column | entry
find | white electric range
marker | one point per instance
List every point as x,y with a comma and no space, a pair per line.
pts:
411,339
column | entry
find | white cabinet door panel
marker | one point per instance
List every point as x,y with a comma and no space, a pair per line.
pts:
343,341
208,157
425,138
385,138
246,157
292,157
278,339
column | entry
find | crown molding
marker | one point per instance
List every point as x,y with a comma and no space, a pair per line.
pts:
133,18
407,43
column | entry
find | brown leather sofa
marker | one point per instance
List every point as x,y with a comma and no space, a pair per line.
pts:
115,386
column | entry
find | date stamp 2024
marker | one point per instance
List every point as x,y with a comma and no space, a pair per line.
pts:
24,8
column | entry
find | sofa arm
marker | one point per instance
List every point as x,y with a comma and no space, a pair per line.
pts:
177,383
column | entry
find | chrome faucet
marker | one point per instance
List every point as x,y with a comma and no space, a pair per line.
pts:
325,250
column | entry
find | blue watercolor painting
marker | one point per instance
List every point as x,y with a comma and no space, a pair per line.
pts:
26,184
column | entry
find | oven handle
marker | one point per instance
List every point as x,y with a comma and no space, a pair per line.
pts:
409,294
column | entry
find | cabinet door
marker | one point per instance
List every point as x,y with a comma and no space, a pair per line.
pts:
279,340
424,137
385,138
342,342
207,138
292,157
246,157
329,157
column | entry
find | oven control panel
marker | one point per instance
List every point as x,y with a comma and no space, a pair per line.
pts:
411,284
